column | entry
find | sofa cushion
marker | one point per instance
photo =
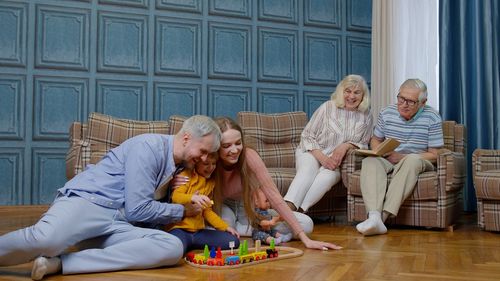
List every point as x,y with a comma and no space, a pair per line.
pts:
106,132
282,177
175,122
274,136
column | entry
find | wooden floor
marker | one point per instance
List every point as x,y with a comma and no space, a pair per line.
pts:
403,254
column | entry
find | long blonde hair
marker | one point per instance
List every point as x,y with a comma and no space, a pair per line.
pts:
348,82
225,124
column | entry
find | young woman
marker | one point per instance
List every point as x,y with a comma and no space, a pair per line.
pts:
240,170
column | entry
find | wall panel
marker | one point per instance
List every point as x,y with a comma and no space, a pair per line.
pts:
229,49
49,173
123,99
62,38
322,59
57,102
12,93
11,167
14,29
278,55
176,99
122,43
178,47
277,100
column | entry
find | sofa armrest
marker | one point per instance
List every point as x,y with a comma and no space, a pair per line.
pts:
451,170
77,134
350,164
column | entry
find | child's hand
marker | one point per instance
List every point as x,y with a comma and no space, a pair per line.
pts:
266,224
201,200
233,231
276,219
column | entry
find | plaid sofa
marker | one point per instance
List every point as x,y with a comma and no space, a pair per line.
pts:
486,174
274,136
436,199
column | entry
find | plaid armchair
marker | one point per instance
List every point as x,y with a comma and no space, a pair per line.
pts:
436,199
486,175
275,137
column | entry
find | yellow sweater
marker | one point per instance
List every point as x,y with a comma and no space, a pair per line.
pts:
183,194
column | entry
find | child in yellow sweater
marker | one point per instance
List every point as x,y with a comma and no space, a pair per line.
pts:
191,230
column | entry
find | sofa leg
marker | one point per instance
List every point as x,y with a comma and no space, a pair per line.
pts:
450,228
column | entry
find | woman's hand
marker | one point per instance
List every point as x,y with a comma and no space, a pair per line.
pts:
339,153
314,244
233,231
324,160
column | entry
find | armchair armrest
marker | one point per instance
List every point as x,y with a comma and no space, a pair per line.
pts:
484,160
451,170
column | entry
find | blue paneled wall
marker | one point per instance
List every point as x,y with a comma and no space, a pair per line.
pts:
149,59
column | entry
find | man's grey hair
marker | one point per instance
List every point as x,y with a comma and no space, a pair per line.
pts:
199,126
415,83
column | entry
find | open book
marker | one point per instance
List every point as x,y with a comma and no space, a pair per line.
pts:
384,147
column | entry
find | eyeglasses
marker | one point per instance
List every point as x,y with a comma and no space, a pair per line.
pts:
408,102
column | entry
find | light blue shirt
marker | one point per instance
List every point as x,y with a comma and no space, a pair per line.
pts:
417,135
127,177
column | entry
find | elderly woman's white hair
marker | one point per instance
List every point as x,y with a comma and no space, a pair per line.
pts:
348,82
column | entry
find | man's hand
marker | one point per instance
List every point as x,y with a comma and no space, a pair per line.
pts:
177,181
394,157
191,210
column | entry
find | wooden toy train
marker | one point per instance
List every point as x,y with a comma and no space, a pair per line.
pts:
216,258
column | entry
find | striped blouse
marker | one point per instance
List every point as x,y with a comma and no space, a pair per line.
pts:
331,126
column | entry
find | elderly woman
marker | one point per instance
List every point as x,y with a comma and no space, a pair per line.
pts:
339,124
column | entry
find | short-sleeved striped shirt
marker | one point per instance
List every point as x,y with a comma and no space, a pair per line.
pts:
417,135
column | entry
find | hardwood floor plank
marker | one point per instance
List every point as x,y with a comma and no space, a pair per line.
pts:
404,254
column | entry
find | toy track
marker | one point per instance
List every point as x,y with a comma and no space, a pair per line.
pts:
283,253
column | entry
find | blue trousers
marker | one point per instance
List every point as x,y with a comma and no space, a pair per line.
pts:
106,240
200,238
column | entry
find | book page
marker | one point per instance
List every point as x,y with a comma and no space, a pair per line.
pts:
386,146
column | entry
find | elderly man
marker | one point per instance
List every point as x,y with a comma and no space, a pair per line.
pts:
97,209
418,128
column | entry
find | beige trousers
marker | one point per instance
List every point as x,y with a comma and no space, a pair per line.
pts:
377,195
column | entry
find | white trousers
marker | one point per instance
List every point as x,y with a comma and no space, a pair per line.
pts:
111,243
234,214
311,181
